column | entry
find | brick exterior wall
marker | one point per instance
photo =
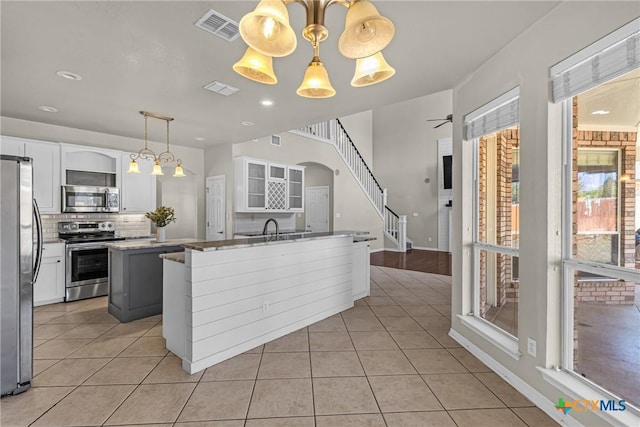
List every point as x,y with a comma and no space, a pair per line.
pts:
609,292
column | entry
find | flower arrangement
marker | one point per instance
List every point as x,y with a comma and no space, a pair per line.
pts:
162,216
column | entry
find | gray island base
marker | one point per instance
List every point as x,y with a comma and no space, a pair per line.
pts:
222,299
135,277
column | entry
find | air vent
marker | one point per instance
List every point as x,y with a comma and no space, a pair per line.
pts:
275,140
218,24
221,88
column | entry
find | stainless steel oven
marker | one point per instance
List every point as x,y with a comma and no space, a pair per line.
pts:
87,258
87,270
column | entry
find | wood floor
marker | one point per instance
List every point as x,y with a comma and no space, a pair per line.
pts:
417,260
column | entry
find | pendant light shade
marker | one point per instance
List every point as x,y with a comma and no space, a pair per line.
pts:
179,173
257,67
316,82
157,170
371,70
267,29
365,31
133,167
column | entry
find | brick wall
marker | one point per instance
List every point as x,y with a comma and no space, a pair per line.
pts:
605,291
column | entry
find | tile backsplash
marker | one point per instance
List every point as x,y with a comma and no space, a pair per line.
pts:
127,225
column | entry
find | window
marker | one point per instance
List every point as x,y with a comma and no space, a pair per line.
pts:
496,137
600,91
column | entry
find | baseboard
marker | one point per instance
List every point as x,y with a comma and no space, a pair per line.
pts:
422,248
546,405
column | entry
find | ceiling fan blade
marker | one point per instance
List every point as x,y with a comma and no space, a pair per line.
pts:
435,120
441,124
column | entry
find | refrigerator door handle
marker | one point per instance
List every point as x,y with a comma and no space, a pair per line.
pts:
40,242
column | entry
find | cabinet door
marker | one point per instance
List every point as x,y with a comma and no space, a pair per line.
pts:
277,172
11,146
256,185
296,189
49,287
138,190
46,174
361,274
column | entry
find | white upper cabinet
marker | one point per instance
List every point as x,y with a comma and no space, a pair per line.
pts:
250,184
137,190
46,169
11,146
295,178
90,159
268,187
46,174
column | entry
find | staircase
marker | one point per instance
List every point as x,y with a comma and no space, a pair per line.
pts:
332,132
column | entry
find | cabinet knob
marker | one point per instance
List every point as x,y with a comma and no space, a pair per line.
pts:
58,261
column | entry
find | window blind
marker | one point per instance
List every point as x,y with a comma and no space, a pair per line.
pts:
502,112
608,58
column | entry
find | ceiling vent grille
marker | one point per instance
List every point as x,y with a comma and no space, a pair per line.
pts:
219,25
221,88
275,140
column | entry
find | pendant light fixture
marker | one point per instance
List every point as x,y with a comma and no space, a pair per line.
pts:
147,154
268,33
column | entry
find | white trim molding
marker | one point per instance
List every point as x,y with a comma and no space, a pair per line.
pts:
492,334
538,399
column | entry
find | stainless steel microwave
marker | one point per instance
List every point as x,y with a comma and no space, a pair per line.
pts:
77,198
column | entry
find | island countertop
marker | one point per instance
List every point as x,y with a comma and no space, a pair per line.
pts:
145,243
214,245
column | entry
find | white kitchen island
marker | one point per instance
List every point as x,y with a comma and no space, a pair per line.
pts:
222,298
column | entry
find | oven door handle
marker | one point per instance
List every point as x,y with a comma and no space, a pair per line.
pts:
72,248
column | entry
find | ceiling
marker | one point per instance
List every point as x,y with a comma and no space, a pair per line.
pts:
148,55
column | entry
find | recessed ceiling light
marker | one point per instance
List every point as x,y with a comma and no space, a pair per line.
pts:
601,112
48,109
246,123
199,138
266,102
69,75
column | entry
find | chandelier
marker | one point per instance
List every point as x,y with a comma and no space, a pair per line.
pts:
267,32
146,154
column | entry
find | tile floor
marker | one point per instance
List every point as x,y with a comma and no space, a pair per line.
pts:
386,362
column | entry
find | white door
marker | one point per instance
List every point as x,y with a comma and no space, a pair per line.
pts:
216,208
317,209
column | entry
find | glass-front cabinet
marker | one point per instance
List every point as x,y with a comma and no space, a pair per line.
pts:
295,177
262,186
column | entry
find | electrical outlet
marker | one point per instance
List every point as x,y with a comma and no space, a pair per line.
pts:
265,306
531,347
429,239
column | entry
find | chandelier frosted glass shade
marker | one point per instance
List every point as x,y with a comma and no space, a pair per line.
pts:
267,30
366,32
371,70
257,67
157,169
316,82
133,167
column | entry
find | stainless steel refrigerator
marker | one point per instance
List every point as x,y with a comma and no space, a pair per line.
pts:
20,226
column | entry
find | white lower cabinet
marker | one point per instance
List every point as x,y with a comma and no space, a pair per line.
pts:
361,273
49,286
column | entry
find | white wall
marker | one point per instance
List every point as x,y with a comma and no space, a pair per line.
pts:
525,62
360,128
192,161
405,153
316,175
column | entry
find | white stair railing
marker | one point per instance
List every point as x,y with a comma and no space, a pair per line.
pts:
332,131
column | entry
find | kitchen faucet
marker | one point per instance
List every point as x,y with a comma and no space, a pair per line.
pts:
266,224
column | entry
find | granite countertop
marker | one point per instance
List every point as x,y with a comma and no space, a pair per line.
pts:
145,243
53,240
214,245
174,256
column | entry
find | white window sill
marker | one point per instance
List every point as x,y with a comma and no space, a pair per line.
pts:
492,334
577,389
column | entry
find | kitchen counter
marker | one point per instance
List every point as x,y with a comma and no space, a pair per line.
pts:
145,243
220,303
175,257
272,239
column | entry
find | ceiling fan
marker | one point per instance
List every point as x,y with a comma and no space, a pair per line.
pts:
448,119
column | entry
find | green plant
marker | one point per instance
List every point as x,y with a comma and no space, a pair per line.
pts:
162,216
